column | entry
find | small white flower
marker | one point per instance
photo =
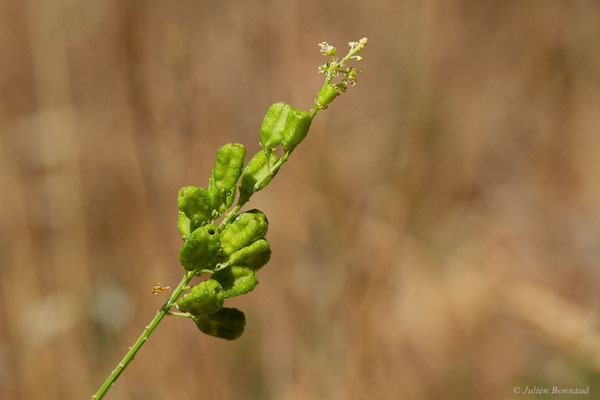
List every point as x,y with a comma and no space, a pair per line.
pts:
327,49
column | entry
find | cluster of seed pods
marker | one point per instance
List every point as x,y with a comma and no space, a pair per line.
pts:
234,251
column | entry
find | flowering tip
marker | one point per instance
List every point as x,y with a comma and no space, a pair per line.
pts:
327,49
356,47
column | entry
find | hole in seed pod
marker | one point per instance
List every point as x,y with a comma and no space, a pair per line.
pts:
211,232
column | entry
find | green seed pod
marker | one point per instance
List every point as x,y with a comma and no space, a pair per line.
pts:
326,95
255,255
243,230
257,169
214,197
219,202
273,125
205,298
228,167
236,280
229,200
296,128
184,225
200,248
194,202
227,323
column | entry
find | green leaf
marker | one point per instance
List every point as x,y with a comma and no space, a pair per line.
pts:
255,255
236,280
205,298
246,228
227,323
200,248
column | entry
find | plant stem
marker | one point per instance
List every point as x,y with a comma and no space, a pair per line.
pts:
187,277
180,314
332,71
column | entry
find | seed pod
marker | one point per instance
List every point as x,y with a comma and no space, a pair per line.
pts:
205,298
273,125
194,202
257,169
227,323
214,197
184,225
200,248
296,128
228,167
326,95
219,202
245,229
236,280
255,255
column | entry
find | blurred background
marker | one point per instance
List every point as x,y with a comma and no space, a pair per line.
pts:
437,236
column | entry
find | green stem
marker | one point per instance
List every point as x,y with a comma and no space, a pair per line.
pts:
181,314
143,337
274,168
183,284
232,214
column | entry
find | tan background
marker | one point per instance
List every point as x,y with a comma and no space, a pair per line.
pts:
437,236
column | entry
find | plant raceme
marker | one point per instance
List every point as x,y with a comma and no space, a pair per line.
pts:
234,250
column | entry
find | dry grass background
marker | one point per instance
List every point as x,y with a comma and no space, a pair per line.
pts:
436,237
